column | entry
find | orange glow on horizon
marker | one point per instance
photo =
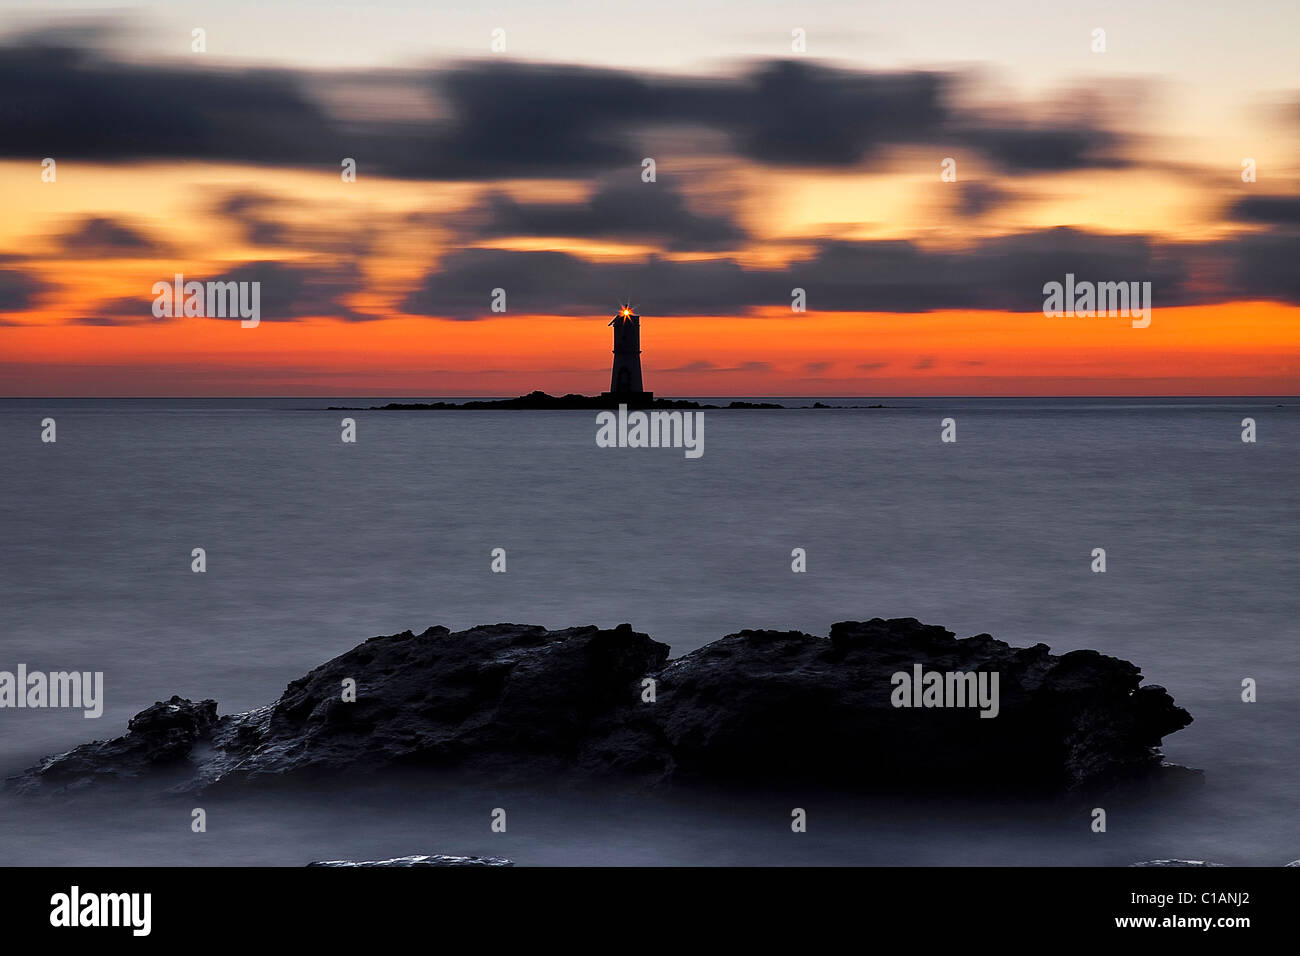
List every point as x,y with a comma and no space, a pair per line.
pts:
1247,348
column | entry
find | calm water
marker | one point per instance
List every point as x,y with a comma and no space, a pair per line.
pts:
313,545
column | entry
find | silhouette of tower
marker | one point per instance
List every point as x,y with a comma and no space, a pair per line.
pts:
625,384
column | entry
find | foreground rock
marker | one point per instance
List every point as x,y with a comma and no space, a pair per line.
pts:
511,703
437,859
159,739
1192,863
1177,863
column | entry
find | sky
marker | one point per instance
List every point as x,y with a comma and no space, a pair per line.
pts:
795,146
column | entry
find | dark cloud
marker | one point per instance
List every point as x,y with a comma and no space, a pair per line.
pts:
696,366
1002,273
124,311
1005,273
264,219
799,114
287,291
1271,210
65,101
102,238
629,211
1264,267
703,366
977,197
510,119
501,119
817,368
528,119
251,211
294,290
563,284
1051,149
18,290
999,273
923,363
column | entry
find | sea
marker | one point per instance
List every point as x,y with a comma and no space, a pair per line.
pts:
313,545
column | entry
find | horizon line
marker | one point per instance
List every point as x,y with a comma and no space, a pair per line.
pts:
358,395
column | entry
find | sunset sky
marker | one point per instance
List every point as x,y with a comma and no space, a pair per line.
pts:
775,169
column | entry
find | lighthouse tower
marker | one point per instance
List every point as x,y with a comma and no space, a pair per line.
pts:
625,386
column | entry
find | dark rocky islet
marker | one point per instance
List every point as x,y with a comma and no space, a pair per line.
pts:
509,703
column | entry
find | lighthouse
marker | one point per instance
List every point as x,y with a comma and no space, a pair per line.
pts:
625,386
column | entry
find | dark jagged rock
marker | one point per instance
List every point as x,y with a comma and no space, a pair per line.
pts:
511,703
501,702
788,706
437,859
158,741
